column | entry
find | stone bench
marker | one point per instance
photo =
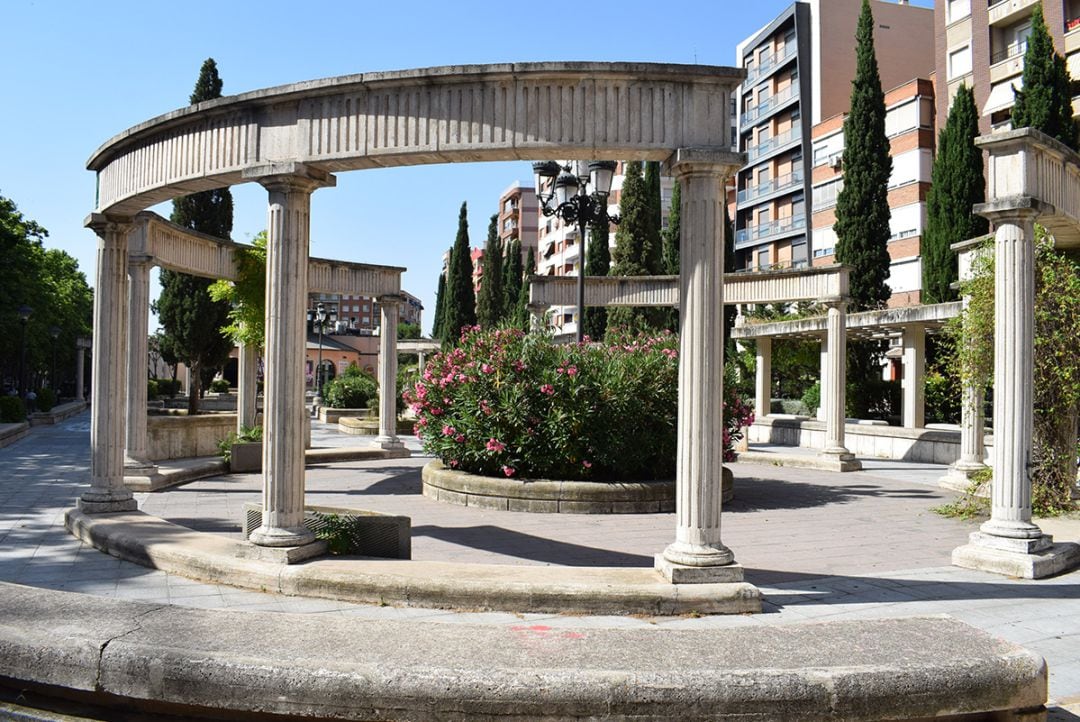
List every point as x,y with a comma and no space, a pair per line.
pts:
163,659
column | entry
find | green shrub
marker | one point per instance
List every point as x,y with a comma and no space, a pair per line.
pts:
350,391
151,389
219,386
12,410
247,434
46,399
812,397
168,387
942,398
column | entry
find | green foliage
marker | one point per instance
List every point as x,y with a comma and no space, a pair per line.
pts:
337,531
1045,103
637,251
521,308
508,403
942,385
460,297
219,386
12,410
440,307
513,272
46,399
958,184
653,257
350,391
862,208
969,507
247,435
597,263
246,295
167,387
672,234
151,389
490,303
812,397
408,331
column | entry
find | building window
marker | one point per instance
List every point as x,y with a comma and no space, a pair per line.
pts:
957,9
959,62
763,259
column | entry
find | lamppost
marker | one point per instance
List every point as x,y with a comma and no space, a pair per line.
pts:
320,318
568,186
24,312
54,331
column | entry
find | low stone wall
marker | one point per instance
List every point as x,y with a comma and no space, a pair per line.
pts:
930,446
10,433
328,415
370,426
181,437
56,414
548,496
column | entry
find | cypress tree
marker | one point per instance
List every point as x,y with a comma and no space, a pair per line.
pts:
653,255
597,263
521,306
191,320
862,208
670,255
958,184
632,249
461,299
1045,103
512,271
440,307
490,301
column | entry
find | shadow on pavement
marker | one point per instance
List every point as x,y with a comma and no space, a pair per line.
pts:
758,494
527,546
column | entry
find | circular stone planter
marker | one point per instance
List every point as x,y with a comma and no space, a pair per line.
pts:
550,496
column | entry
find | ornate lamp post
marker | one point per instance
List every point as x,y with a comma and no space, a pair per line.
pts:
320,319
54,331
24,312
567,186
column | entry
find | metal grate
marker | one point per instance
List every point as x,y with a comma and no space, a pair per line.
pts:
369,534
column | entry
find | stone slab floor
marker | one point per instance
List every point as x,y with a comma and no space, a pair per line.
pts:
820,545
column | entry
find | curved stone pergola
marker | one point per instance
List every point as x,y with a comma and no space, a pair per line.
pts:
291,139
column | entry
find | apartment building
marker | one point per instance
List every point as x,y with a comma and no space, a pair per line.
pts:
909,124
982,44
360,315
798,71
518,217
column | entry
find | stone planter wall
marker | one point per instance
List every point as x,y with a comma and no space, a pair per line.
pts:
370,427
246,456
328,415
180,437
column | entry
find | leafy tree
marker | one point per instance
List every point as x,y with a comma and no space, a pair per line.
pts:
440,307
1045,103
597,263
190,317
461,299
958,184
512,274
246,295
634,250
490,302
521,309
406,330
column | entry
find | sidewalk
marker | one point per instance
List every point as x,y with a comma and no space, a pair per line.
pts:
821,546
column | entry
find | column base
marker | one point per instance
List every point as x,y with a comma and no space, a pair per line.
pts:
282,555
838,459
388,442
958,478
1025,558
266,536
687,574
97,503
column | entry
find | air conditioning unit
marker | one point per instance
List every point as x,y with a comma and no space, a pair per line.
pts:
836,161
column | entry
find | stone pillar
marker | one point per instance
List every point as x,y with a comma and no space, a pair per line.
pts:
835,401
247,387
287,249
1009,543
536,318
698,554
107,418
914,413
763,378
823,378
388,323
421,361
972,449
136,461
187,380
80,372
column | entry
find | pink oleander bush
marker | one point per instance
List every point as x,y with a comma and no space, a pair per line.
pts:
504,403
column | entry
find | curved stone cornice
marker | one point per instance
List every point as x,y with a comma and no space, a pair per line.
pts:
433,115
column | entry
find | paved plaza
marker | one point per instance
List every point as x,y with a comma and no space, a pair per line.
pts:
820,545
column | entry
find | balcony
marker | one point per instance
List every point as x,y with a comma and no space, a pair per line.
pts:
770,104
769,62
773,145
791,181
752,235
1006,11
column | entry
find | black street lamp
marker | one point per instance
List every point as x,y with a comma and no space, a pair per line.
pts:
567,185
24,312
320,318
54,331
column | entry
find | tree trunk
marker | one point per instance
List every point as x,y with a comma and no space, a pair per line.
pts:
195,392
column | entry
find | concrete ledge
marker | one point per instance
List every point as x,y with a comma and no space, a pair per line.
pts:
57,413
153,542
10,433
1055,559
800,461
551,496
118,653
172,472
328,415
361,426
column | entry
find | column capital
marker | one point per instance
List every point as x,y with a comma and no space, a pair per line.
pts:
688,162
141,259
390,300
103,224
289,177
1018,209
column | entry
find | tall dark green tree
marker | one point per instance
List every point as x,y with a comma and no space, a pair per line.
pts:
460,296
672,236
440,307
597,263
862,208
512,272
1045,103
634,254
490,302
653,258
192,321
958,184
521,307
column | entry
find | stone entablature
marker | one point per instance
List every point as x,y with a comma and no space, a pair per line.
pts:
532,111
865,323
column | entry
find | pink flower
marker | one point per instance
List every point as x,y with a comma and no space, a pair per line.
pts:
587,464
571,370
509,470
486,368
547,389
519,366
448,430
459,438
495,445
453,463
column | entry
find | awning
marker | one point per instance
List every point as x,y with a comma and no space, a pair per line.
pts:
1001,96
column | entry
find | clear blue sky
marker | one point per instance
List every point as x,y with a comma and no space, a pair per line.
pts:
77,73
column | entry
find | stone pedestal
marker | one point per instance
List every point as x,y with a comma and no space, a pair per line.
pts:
137,464
834,391
698,555
287,249
763,377
388,319
107,492
1009,543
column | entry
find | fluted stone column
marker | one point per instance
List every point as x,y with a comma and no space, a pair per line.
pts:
914,407
835,453
698,554
136,461
388,320
536,318
1009,542
80,371
972,449
107,492
763,377
287,249
247,391
823,378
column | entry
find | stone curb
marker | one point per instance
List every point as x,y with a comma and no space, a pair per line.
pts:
798,461
10,433
120,653
156,543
